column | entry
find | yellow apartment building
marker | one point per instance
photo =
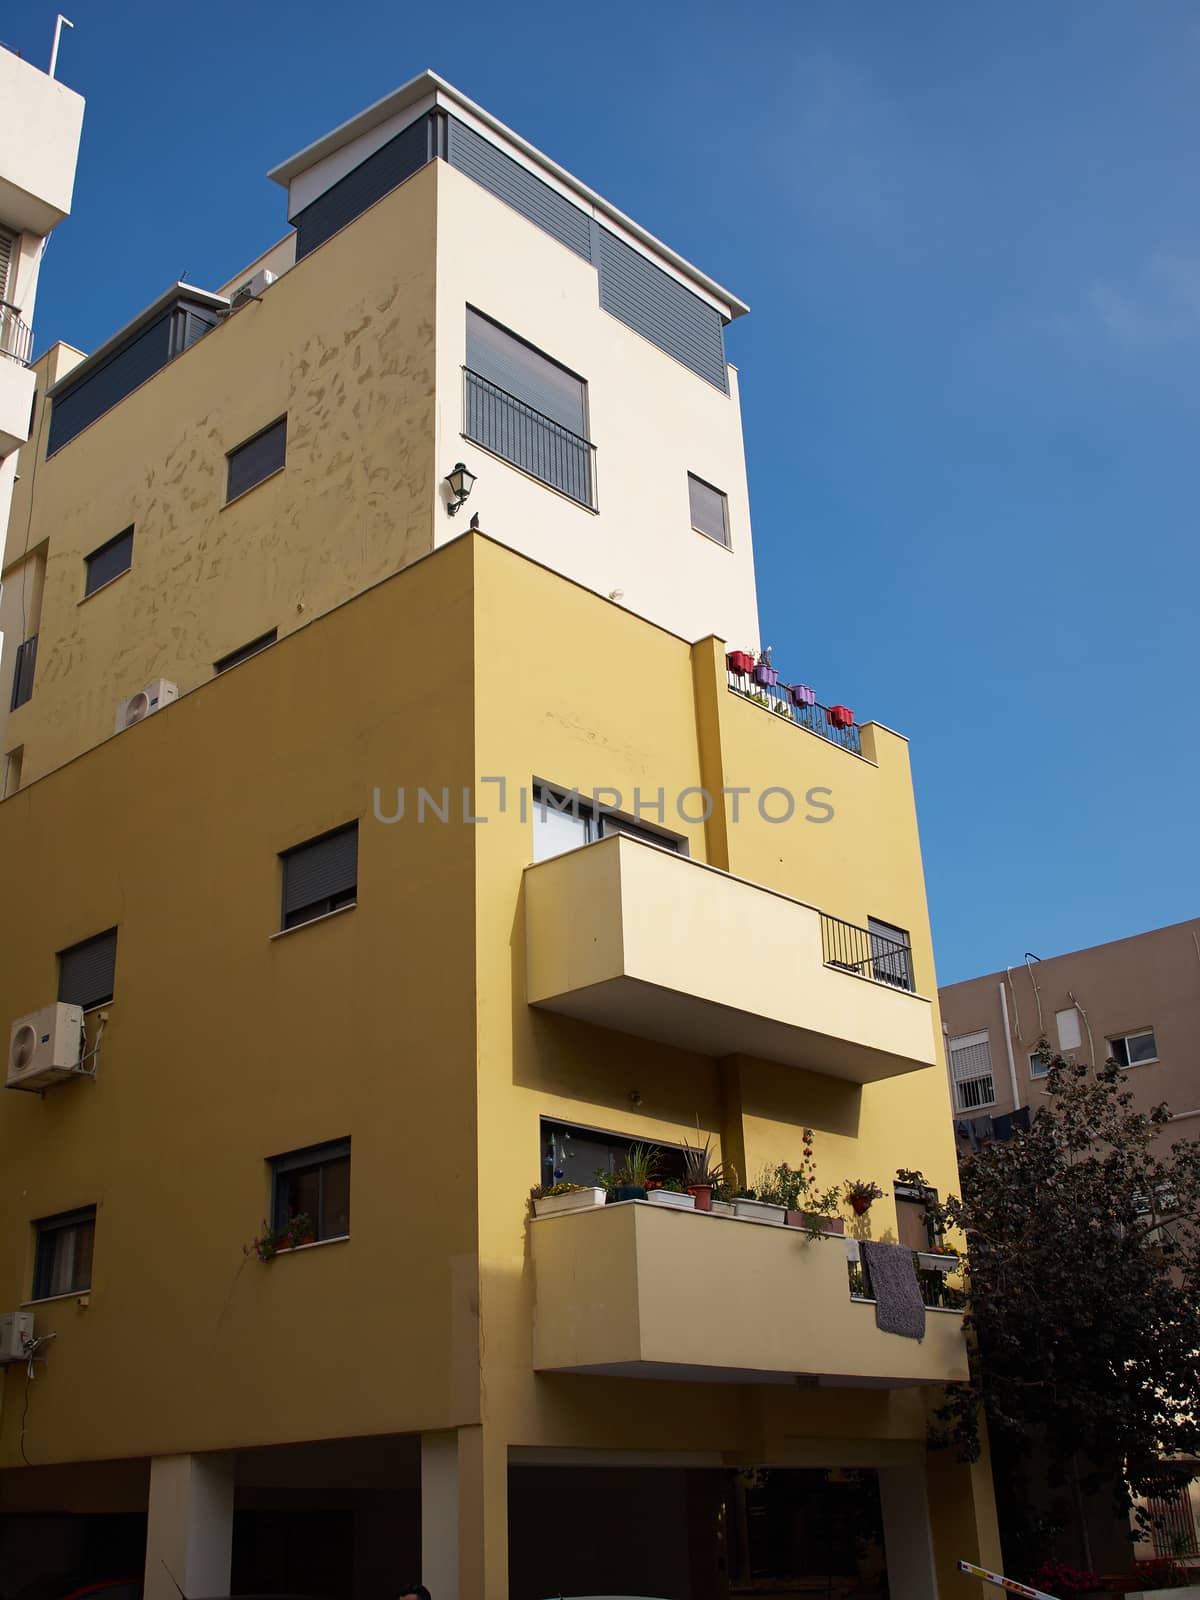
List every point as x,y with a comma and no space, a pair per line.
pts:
397,838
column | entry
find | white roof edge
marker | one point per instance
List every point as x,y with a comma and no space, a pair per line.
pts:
146,315
429,81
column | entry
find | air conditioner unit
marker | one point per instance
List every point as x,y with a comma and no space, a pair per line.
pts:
139,706
45,1046
251,289
16,1334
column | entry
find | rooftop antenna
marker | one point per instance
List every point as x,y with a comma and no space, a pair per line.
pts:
58,28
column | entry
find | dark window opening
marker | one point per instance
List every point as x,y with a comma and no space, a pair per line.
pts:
709,508
62,1262
108,562
573,1154
236,657
257,459
86,971
320,876
313,1183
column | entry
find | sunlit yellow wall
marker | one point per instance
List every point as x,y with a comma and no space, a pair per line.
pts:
343,343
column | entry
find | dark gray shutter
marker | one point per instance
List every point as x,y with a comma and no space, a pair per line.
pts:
109,562
244,652
100,390
8,254
86,971
257,459
891,958
23,671
517,187
321,870
379,174
709,508
653,304
522,371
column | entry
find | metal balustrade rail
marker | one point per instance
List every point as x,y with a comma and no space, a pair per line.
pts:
16,336
869,954
814,717
537,444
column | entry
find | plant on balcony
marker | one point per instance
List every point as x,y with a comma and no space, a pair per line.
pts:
840,717
740,661
764,672
861,1195
795,1189
546,1199
701,1174
635,1176
270,1241
801,695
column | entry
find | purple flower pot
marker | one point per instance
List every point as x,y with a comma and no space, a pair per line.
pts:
801,695
766,675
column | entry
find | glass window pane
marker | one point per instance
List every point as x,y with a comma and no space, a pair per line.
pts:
299,1196
335,1200
1141,1047
556,831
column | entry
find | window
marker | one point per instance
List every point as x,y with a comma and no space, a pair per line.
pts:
109,562
257,459
971,1070
913,1225
236,657
527,409
62,1262
709,508
23,670
320,876
86,971
313,1183
1039,1065
1067,1024
891,955
563,821
573,1154
1134,1049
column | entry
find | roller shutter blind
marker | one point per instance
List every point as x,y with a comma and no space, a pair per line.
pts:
318,874
384,170
108,562
505,178
653,304
257,459
522,371
709,509
8,257
101,390
86,971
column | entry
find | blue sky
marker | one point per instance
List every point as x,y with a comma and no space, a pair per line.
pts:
970,238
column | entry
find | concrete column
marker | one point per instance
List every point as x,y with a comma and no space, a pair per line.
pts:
189,1532
464,1516
907,1536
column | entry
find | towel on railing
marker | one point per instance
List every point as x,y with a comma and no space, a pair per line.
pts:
899,1307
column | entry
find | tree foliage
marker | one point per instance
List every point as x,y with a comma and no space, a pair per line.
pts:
1083,1248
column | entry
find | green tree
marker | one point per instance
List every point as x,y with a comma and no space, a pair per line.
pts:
1083,1248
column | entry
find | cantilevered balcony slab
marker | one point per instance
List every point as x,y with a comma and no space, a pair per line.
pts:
631,937
629,1291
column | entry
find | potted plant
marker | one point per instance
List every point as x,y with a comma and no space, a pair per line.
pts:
671,1193
861,1194
635,1175
740,661
801,695
764,1202
264,1246
701,1174
764,672
839,717
549,1200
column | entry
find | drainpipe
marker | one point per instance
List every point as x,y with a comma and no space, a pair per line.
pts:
1012,1065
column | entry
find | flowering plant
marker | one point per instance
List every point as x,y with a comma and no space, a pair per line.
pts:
1064,1580
861,1195
795,1188
299,1230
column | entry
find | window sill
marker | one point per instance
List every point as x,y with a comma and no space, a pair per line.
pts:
721,544
82,1295
238,498
317,1244
312,923
107,584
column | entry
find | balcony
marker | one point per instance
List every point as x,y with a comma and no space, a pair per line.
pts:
630,937
791,703
40,122
630,1290
526,439
16,379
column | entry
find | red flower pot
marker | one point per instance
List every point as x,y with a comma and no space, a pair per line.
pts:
739,661
859,1205
703,1195
840,717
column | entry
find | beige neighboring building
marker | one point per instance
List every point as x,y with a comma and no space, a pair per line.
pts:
1136,999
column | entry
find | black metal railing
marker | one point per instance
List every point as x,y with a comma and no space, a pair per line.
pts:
537,444
815,717
936,1292
16,336
22,687
869,954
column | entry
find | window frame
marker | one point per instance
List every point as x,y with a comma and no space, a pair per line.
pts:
51,1229
310,1158
880,959
90,588
599,822
245,444
340,900
1042,1070
968,1041
1123,1039
727,542
234,658
82,944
